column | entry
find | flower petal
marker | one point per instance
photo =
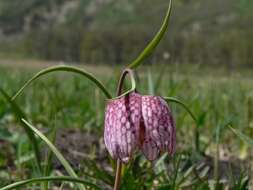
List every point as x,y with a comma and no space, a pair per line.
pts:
150,149
122,120
159,124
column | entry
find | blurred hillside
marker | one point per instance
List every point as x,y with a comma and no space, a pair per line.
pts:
114,31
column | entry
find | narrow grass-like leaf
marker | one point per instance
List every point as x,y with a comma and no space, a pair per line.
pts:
187,173
151,89
217,153
159,79
19,114
99,173
174,179
175,100
56,152
48,161
67,69
43,179
243,137
154,42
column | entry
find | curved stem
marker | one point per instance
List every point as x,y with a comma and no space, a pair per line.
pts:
121,82
119,94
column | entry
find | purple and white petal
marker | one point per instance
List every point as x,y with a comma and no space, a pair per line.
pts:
134,121
150,149
159,125
122,120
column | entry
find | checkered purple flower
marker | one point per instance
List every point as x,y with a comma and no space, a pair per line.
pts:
135,122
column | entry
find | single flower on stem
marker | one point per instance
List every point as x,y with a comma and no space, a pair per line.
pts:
133,121
136,122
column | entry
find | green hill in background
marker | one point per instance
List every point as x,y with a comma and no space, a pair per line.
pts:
114,31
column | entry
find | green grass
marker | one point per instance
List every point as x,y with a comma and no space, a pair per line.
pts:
63,100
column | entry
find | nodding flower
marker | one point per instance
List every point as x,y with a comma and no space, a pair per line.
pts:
139,122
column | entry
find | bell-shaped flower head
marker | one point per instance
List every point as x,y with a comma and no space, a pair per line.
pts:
135,122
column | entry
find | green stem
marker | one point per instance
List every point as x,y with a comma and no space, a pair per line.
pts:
118,175
119,94
67,69
121,82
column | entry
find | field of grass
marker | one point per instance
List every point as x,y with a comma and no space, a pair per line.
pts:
69,110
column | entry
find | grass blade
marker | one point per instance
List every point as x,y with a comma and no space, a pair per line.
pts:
43,179
151,88
155,41
48,162
19,114
175,100
100,173
243,137
67,69
56,152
